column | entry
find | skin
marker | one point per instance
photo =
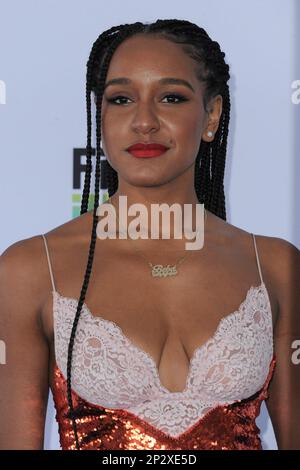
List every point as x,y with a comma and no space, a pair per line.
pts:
184,313
170,178
147,113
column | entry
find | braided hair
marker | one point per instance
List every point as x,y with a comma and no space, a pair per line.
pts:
210,161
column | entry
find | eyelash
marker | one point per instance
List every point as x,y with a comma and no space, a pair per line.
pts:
177,95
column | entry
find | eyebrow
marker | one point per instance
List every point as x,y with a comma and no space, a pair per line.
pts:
162,81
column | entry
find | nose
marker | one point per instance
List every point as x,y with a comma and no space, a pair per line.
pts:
145,119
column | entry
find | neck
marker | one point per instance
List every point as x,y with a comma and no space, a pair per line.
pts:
172,219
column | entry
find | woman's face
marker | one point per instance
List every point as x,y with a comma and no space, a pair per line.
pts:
146,112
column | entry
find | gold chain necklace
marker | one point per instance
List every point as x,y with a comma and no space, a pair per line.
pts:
159,270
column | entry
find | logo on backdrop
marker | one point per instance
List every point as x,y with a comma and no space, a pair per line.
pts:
296,94
2,92
79,167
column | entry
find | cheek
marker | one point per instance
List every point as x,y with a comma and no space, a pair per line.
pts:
188,133
109,122
110,127
194,123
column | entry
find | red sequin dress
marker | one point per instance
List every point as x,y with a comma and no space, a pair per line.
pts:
121,404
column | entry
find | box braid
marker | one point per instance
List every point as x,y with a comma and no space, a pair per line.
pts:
210,160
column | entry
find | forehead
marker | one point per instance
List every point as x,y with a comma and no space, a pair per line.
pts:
143,57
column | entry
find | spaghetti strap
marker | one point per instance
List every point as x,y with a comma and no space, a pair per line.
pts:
257,259
49,263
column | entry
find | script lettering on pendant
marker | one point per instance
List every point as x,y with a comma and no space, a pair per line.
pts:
163,271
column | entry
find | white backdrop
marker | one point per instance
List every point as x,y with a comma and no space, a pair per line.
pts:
44,46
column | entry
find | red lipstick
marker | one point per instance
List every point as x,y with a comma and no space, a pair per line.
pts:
143,150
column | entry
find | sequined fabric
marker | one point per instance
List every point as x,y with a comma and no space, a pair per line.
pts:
121,403
225,427
109,370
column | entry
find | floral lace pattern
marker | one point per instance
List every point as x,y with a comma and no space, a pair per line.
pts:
110,371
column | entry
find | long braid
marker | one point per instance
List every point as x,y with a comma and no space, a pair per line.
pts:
210,160
217,202
100,88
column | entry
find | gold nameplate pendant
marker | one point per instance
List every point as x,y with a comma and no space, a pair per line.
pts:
163,271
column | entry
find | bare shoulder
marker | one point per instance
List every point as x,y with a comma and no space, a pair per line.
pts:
20,271
73,233
24,379
283,258
277,252
280,259
24,263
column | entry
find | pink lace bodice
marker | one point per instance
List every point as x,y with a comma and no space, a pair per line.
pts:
110,372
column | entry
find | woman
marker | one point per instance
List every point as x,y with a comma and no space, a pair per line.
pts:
136,361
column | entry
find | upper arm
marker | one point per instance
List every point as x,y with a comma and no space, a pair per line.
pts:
283,402
24,374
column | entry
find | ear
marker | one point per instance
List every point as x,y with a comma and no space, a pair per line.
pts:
215,107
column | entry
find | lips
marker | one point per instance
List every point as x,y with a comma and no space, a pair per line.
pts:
147,150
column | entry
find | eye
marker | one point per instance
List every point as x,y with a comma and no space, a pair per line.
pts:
113,100
180,98
177,96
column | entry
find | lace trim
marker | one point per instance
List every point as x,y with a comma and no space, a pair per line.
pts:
109,370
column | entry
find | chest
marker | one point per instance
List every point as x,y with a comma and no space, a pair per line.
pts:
167,320
110,371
